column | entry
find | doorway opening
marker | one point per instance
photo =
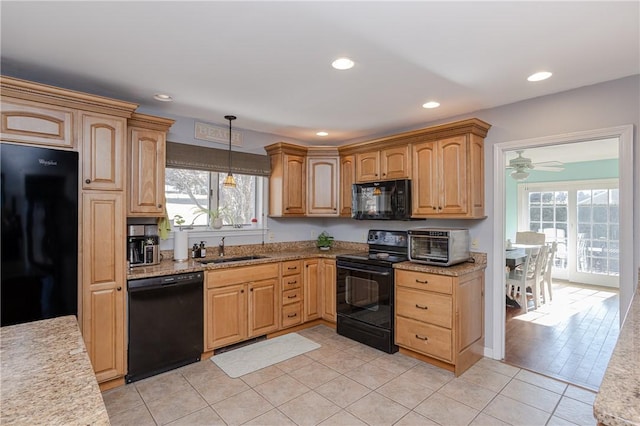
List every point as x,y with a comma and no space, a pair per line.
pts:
556,339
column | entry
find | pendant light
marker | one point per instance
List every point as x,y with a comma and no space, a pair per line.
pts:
229,181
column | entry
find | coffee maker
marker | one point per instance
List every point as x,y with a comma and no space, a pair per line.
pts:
143,245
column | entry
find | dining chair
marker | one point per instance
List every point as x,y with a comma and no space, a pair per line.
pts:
534,273
552,248
530,237
517,282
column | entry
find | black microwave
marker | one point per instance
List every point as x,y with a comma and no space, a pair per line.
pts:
387,200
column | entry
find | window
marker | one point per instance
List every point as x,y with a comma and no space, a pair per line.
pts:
188,192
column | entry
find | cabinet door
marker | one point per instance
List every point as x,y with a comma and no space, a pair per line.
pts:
322,186
103,154
263,307
425,197
294,190
27,122
368,166
328,289
226,315
453,175
347,179
395,163
146,174
103,279
311,296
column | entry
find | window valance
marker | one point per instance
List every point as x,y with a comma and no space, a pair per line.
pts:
183,156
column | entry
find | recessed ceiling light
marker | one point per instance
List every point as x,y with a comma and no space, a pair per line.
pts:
539,76
431,104
162,97
322,134
342,64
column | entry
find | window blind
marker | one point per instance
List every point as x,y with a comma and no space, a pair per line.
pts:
183,156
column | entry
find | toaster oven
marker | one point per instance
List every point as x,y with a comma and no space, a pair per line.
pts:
438,246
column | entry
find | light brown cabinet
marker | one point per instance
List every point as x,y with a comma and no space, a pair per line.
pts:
288,180
292,297
440,319
103,151
146,161
449,178
322,182
347,179
312,294
328,282
385,164
103,278
241,303
33,123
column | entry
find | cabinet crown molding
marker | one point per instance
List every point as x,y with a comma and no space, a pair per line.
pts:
22,89
151,122
286,148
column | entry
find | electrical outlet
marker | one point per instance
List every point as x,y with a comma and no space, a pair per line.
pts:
474,244
314,235
364,237
270,236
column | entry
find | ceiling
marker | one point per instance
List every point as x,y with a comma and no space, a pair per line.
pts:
602,149
269,62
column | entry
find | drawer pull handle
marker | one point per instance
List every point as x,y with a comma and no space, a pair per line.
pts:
292,315
292,297
424,338
292,268
422,307
422,282
292,282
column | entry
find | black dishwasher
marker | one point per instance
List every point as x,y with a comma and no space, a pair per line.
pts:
165,323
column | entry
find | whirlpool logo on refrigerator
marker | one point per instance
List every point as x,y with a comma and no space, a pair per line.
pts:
47,162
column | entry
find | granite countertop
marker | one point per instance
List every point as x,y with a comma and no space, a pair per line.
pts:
47,377
479,264
618,401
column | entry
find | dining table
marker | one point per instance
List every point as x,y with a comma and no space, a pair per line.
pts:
517,254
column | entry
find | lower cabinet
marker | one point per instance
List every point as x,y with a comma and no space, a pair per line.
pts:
312,290
440,319
291,285
241,303
328,282
103,282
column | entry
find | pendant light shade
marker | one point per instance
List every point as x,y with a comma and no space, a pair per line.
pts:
229,181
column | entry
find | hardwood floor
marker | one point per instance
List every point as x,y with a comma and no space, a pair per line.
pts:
571,338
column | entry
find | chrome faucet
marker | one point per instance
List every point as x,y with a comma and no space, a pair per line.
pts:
221,247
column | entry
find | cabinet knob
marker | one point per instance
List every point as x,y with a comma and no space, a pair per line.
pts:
241,291
119,288
87,181
251,288
435,208
384,174
159,206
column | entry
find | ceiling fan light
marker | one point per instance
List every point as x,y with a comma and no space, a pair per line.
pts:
519,174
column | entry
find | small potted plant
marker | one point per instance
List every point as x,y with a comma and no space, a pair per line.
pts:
178,220
324,241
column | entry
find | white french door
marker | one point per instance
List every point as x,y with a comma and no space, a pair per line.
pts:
583,218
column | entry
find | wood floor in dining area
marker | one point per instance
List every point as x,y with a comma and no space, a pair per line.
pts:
571,338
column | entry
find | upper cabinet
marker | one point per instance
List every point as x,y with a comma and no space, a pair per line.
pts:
288,180
384,164
33,123
146,160
322,182
347,179
103,151
449,178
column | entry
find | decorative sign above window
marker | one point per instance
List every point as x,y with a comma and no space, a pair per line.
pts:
209,132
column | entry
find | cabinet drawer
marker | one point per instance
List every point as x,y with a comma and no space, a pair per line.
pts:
290,296
291,281
291,314
424,306
243,274
424,281
424,338
291,267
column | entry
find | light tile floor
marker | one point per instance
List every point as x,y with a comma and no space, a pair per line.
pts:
346,383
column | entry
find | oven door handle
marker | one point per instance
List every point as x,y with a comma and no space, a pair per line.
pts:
366,271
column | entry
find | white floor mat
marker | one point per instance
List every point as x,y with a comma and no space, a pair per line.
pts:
248,359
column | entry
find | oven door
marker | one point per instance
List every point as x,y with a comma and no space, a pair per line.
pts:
365,293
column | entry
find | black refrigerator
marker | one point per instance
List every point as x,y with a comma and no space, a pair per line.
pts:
39,202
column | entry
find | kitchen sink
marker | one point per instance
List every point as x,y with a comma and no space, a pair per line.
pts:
232,259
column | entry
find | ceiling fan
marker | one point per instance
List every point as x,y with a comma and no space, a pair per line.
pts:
521,166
